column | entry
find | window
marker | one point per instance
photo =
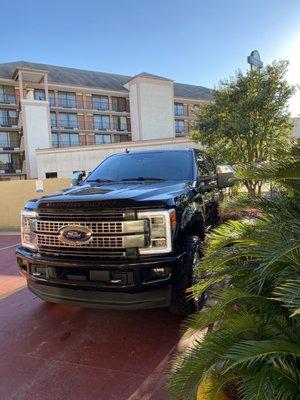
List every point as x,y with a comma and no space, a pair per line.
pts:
9,139
100,103
4,139
100,139
69,139
121,138
179,126
50,175
101,122
53,120
179,109
5,161
51,96
10,161
8,118
66,99
68,121
156,164
118,104
55,140
119,123
39,94
7,94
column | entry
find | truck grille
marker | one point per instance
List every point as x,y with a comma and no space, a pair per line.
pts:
111,232
98,242
96,227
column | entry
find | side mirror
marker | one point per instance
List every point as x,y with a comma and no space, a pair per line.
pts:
225,176
77,177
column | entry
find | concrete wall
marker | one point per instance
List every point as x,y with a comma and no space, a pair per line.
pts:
14,194
66,160
37,131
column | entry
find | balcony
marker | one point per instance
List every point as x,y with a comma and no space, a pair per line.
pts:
181,110
182,130
90,141
94,104
7,99
67,103
10,168
112,126
67,143
65,125
10,144
8,122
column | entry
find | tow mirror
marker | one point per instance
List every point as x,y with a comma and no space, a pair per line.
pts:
225,176
77,177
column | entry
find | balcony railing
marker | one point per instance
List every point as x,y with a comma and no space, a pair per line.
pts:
67,103
90,126
101,105
66,143
9,144
7,99
87,142
10,167
66,124
113,126
94,104
179,112
8,121
181,130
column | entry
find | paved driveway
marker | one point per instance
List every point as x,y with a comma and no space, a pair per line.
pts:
50,351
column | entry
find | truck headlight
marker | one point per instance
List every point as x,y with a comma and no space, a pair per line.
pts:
161,225
28,236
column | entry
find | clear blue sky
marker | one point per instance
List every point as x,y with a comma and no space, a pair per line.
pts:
190,41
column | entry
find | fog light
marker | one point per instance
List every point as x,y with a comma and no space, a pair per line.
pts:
159,272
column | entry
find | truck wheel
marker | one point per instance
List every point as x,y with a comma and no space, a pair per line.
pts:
181,304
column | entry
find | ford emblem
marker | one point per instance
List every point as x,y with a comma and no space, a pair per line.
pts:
74,234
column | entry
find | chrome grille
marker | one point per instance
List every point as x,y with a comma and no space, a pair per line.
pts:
96,242
95,227
112,232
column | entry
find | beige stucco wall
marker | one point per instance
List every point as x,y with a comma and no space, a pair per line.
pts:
151,108
14,194
66,160
37,131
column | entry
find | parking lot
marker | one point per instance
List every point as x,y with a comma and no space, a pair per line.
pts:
50,351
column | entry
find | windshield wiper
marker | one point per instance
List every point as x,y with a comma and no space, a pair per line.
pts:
143,178
101,180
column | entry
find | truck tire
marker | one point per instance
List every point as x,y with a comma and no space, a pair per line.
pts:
181,303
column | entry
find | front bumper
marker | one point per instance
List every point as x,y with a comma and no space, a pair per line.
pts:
133,295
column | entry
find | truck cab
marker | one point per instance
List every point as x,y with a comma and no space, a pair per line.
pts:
128,236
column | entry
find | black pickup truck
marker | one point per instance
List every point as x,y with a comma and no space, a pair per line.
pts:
128,236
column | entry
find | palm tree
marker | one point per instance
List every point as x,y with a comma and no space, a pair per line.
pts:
254,345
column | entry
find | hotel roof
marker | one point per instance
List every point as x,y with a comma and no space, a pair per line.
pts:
100,80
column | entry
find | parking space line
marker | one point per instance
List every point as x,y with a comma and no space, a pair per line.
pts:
9,247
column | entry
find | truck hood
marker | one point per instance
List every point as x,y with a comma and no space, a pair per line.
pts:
121,194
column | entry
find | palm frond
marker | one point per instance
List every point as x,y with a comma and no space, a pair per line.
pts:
250,352
288,293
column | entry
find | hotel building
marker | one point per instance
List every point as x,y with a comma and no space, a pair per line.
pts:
54,120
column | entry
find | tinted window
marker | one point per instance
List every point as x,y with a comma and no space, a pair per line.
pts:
171,166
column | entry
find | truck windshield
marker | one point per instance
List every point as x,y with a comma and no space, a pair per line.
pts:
156,166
